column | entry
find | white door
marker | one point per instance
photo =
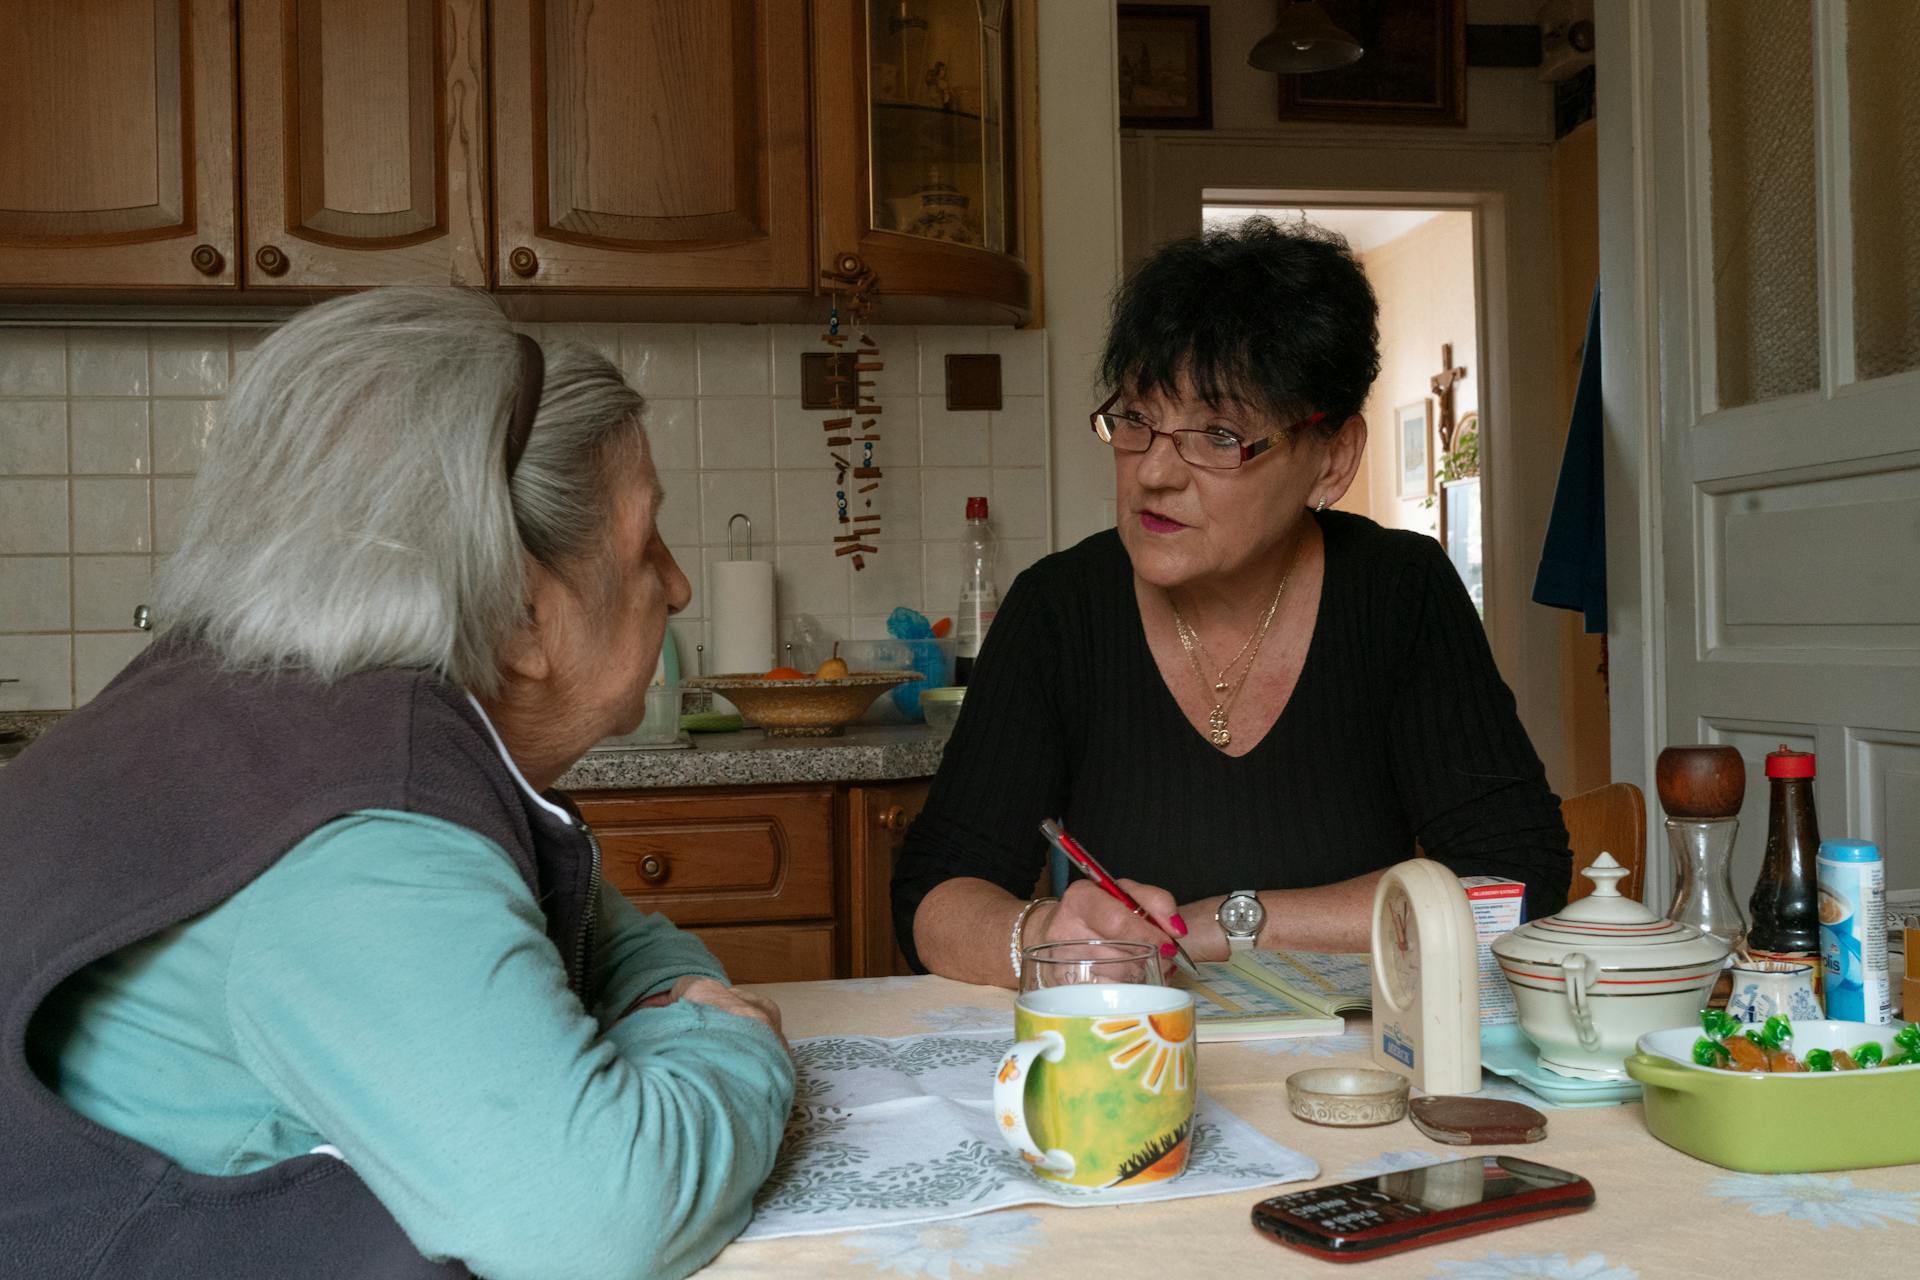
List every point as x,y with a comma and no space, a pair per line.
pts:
1761,265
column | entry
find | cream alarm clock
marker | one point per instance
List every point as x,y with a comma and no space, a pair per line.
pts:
1426,979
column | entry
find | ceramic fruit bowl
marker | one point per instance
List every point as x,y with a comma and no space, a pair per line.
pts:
809,708
1589,982
1350,1097
1799,1122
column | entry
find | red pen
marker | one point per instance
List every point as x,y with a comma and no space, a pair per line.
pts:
1057,836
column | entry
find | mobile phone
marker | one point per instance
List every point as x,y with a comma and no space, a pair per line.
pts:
1349,1221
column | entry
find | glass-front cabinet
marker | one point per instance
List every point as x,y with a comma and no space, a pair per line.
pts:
931,196
936,83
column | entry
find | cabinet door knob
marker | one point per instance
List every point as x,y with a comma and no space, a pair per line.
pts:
271,260
893,818
653,867
208,260
524,261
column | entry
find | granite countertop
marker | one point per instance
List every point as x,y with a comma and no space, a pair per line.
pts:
864,753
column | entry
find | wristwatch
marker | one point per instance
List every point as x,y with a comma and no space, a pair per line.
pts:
1241,915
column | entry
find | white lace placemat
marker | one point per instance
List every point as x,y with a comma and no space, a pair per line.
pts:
890,1132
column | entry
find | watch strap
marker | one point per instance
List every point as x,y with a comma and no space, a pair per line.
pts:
1238,942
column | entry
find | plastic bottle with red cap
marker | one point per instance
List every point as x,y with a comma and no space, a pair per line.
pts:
979,601
1785,906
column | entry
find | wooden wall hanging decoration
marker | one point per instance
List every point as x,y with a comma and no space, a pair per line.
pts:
857,411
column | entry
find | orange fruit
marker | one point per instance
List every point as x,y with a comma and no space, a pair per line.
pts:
785,673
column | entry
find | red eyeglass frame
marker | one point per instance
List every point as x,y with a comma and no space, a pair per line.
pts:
1248,451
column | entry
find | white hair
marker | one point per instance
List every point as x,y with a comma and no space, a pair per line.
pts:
354,509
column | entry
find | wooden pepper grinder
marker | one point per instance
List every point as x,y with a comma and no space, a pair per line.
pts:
1701,789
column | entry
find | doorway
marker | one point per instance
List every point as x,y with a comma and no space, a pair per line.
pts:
1421,470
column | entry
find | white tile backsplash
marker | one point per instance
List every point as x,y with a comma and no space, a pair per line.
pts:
33,437
43,665
33,362
111,515
107,362
181,430
34,594
106,589
33,516
95,489
109,437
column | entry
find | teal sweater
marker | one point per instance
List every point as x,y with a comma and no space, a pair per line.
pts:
387,991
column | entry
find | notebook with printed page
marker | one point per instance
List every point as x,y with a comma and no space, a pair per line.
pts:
1260,995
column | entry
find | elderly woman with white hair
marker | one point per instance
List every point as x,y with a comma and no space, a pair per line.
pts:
303,973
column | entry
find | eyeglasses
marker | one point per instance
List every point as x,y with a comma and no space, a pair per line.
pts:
1215,448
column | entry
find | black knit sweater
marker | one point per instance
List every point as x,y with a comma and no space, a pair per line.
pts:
1399,728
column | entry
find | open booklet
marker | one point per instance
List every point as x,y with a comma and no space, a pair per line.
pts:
1259,995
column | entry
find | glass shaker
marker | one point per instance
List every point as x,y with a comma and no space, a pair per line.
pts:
1701,788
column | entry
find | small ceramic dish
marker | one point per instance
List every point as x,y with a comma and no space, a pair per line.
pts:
1350,1097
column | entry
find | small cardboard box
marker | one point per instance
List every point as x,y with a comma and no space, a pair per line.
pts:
1498,907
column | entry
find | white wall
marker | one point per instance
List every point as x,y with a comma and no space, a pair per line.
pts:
1424,280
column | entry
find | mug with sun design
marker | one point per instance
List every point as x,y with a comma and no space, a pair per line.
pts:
1098,1092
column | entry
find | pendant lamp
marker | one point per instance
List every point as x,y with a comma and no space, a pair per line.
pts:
1304,40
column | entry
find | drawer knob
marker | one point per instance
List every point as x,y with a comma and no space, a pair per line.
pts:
207,260
893,818
271,259
523,261
653,867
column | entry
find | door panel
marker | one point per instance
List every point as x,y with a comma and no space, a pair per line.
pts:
659,145
365,142
1788,526
119,164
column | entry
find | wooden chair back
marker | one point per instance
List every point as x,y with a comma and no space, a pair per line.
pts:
1610,819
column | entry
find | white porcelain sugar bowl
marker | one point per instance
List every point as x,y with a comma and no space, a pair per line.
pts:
1592,980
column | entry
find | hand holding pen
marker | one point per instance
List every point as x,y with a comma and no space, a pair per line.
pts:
1173,926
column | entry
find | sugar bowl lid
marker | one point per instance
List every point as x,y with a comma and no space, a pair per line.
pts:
1610,928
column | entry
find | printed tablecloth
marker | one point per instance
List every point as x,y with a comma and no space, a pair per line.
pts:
1659,1213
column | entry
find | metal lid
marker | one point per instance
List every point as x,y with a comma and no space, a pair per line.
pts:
1614,930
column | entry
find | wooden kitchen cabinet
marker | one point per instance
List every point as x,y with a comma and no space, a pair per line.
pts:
783,883
117,168
924,172
364,130
658,146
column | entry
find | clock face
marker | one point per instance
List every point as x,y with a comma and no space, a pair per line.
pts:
1241,916
1397,948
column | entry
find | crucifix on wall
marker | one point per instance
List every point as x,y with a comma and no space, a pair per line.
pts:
1442,384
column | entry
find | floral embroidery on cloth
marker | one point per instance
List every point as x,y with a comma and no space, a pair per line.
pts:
1535,1266
1822,1200
900,1133
946,1249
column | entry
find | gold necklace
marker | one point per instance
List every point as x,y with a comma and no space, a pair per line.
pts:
1224,693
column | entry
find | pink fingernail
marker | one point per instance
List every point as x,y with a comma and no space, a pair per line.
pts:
1179,925
1168,950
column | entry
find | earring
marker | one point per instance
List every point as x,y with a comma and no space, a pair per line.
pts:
1320,505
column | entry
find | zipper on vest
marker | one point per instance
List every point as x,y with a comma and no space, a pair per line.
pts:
583,944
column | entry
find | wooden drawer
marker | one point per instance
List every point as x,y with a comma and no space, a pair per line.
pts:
744,857
773,953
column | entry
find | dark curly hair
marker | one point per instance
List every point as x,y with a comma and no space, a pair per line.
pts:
1281,320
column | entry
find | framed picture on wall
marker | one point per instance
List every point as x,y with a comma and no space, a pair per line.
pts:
1414,70
1166,68
1413,451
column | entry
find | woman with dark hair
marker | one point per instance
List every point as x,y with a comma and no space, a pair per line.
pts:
1246,704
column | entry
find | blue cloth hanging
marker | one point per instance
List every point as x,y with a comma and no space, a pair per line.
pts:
1573,559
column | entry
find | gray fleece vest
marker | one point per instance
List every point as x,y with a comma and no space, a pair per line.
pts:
157,801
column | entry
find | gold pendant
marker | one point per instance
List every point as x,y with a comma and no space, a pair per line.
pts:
1217,728
1220,686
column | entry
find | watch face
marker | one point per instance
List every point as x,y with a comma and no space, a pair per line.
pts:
1242,916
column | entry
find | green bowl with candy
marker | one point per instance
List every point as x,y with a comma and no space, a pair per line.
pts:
1786,1122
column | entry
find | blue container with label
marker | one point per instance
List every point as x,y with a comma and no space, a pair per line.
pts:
1853,930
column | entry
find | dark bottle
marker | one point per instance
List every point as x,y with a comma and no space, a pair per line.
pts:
1785,909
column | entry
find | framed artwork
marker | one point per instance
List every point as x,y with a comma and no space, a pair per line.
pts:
1413,450
1414,70
1166,71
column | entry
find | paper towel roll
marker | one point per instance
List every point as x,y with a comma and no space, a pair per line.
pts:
742,616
